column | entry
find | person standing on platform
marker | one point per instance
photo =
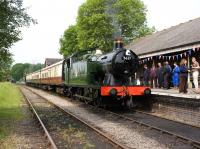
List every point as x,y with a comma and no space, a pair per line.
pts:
153,77
146,75
195,73
160,75
183,76
167,74
175,76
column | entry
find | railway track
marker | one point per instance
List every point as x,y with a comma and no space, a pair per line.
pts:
179,114
189,136
102,140
40,122
187,133
162,117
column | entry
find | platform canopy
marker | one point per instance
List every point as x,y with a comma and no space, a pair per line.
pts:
177,38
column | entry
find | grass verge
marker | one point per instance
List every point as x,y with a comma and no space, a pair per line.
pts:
10,109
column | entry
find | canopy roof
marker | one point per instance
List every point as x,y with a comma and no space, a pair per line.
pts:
173,39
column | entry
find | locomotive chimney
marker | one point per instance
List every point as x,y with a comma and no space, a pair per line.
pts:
118,43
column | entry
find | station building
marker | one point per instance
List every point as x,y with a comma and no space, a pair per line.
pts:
172,44
51,61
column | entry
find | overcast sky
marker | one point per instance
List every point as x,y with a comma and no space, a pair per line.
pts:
54,16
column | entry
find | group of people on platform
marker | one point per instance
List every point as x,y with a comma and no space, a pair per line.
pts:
163,76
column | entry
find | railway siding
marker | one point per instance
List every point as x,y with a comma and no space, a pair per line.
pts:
130,134
65,131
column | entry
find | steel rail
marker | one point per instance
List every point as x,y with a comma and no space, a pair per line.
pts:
143,112
52,143
184,110
190,141
98,132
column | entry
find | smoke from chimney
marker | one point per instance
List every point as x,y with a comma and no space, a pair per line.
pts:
111,11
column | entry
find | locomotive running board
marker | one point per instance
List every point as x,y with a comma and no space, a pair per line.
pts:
87,98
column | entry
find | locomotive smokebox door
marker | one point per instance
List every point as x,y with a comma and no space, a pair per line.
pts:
125,63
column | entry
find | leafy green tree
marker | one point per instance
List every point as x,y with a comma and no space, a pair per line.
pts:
34,67
69,41
5,63
12,17
19,70
94,26
100,21
144,30
131,19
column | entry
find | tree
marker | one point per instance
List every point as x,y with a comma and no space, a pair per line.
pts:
69,41
19,70
131,19
5,63
144,30
94,26
12,17
100,21
33,67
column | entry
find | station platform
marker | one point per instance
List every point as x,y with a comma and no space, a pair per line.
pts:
192,94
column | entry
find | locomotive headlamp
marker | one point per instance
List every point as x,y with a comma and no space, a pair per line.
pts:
113,92
147,91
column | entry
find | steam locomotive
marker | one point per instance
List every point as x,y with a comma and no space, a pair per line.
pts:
102,79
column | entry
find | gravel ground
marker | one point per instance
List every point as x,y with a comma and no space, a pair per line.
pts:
178,114
131,137
65,131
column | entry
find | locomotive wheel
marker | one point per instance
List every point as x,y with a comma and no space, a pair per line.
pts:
98,102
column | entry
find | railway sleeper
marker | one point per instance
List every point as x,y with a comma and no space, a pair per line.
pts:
196,145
